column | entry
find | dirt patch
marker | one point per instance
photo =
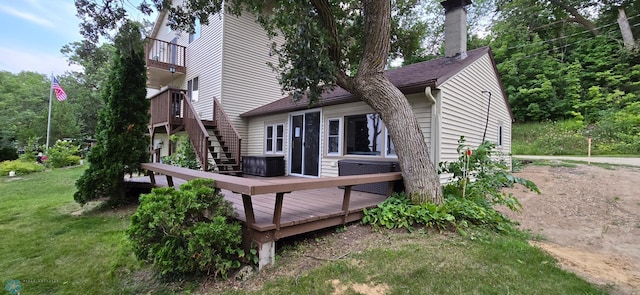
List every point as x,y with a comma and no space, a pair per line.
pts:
587,217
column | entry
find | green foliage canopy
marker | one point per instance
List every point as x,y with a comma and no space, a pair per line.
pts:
122,140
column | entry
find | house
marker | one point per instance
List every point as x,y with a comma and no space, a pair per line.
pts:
224,69
200,82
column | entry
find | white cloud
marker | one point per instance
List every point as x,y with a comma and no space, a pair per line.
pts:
22,60
27,16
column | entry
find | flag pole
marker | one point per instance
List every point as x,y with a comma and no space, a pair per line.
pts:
49,117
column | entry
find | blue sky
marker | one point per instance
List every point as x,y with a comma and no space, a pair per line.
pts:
34,31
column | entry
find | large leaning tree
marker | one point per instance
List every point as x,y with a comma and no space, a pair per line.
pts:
121,132
327,43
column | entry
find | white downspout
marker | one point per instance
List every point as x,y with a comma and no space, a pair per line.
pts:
435,127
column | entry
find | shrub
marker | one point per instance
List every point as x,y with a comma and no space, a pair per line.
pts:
466,201
63,154
8,153
20,167
187,231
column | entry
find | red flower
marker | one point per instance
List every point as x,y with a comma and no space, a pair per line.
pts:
468,152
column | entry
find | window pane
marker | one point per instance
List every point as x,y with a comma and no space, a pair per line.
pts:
334,126
364,134
280,131
269,146
279,145
269,139
391,149
269,131
333,144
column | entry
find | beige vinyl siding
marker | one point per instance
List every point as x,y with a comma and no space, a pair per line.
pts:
329,164
204,60
464,109
256,133
247,81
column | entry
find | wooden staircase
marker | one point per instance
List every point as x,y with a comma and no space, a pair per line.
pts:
217,138
215,141
226,161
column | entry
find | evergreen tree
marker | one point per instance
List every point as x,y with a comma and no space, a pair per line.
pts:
122,123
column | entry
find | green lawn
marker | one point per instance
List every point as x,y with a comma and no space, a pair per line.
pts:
47,248
51,251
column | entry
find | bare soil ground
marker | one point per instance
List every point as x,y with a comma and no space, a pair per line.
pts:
588,217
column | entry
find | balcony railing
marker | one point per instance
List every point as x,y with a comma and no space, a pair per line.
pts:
165,60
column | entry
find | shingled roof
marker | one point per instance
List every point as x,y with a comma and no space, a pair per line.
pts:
409,79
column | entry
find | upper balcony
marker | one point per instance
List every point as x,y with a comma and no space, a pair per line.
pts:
165,62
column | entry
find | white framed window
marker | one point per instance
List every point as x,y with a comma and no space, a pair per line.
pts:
193,36
364,135
274,139
192,87
334,137
390,148
499,144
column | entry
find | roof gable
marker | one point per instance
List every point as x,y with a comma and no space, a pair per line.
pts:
409,79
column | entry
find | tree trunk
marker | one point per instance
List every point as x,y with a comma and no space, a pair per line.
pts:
625,29
421,180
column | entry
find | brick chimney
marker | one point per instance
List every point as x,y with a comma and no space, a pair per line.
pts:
455,28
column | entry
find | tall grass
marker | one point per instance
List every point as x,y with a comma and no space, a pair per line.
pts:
570,138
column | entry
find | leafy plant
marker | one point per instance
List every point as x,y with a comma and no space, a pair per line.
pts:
489,174
184,156
20,167
475,187
64,153
187,231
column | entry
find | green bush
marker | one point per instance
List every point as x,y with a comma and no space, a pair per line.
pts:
187,231
20,167
64,154
466,201
184,156
8,153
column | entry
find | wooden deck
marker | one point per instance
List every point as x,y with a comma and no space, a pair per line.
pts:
310,203
300,209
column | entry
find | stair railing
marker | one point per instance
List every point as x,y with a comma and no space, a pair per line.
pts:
198,135
228,132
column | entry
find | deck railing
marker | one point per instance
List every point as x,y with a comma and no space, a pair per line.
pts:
166,107
198,134
229,133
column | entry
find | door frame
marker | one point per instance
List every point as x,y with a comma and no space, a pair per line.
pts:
290,136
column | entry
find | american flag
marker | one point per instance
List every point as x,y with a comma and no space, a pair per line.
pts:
60,94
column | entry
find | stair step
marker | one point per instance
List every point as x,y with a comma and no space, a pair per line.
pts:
231,172
225,161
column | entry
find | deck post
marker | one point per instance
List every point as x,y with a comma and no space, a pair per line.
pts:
170,181
390,188
266,254
345,202
152,177
248,209
277,210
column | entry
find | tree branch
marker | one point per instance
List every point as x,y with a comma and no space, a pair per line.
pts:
329,23
577,17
